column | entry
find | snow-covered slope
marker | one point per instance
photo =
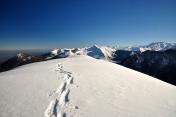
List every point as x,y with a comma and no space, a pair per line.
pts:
95,52
83,86
100,52
59,53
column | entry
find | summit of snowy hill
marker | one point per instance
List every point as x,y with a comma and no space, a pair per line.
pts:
58,53
100,52
81,86
54,52
95,52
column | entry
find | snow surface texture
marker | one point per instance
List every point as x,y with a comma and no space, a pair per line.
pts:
56,107
80,86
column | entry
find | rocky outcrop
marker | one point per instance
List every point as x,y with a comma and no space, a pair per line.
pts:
159,64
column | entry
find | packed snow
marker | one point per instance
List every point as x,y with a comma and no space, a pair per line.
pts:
82,86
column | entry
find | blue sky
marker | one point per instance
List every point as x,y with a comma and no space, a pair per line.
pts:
49,24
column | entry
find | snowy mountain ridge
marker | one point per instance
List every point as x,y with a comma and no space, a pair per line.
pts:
155,46
114,54
107,52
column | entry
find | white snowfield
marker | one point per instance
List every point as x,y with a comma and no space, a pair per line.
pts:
81,86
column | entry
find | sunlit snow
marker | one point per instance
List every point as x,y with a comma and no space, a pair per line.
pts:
83,86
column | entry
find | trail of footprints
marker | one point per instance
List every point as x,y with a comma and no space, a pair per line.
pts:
56,106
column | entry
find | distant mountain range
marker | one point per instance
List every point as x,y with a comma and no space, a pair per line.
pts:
155,46
156,59
18,60
159,64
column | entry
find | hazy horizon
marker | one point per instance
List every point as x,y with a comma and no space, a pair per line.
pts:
7,54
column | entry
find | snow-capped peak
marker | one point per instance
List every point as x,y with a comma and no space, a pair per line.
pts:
59,53
96,46
21,55
54,51
161,46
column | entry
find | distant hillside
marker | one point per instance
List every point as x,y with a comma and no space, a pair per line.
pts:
159,64
18,60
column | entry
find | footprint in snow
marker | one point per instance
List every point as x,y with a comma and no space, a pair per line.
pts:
76,107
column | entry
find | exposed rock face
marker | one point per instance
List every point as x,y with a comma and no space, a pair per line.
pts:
155,63
122,54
